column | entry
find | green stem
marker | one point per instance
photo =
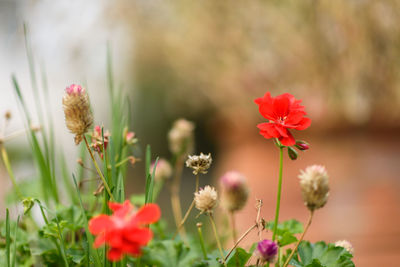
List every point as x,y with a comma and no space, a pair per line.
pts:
189,210
278,198
217,238
98,169
300,239
203,247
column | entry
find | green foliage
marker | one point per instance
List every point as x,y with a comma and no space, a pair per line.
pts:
285,231
321,254
168,253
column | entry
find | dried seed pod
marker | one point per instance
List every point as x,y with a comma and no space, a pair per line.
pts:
78,116
199,163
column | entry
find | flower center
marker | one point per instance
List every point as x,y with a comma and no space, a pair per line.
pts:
281,120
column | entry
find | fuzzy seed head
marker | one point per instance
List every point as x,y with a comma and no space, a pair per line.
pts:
78,116
234,191
206,199
181,137
199,163
345,244
314,182
163,170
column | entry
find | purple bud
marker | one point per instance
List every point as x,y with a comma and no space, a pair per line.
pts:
302,145
267,250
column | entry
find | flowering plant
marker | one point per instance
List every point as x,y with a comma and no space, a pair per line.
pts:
111,228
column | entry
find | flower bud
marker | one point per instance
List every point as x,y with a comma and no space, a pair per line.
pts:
100,139
314,182
163,170
345,244
78,116
199,163
266,250
129,137
302,145
206,199
234,191
181,137
292,153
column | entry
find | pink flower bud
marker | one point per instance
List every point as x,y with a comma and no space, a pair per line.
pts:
234,191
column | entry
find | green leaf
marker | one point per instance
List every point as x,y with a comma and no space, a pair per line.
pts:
168,253
239,258
321,254
286,230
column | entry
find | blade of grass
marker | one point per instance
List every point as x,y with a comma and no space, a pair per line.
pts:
151,187
47,182
147,172
14,253
52,148
8,238
89,237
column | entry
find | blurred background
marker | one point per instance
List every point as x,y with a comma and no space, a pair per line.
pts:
207,61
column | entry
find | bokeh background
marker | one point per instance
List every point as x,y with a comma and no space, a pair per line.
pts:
206,61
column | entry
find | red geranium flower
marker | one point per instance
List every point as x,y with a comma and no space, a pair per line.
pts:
283,112
125,231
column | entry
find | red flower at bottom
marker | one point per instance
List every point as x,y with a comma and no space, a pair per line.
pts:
125,231
284,112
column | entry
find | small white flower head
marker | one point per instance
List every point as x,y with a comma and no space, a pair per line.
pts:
234,190
163,170
199,163
345,244
206,199
314,182
181,137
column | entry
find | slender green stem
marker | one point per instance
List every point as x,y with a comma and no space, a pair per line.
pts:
175,199
233,226
6,161
98,169
300,239
278,198
217,238
203,247
189,209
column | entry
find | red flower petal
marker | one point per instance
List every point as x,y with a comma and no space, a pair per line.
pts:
141,236
100,223
120,210
100,240
294,118
287,141
281,106
114,254
282,130
115,239
303,124
268,129
149,213
133,249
